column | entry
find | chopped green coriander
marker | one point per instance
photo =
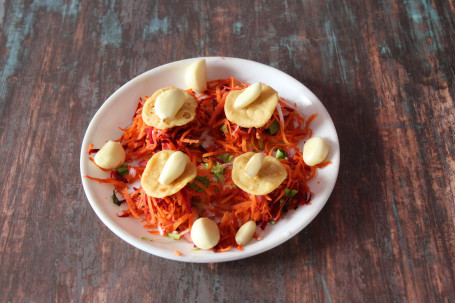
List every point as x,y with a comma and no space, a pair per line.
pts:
272,222
227,158
218,170
224,129
196,248
146,238
123,169
173,236
281,154
261,144
205,166
290,193
195,187
115,199
204,180
274,127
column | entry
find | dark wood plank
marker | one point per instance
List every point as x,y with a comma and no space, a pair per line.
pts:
383,69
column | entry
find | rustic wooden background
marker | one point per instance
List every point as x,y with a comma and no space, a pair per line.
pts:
383,69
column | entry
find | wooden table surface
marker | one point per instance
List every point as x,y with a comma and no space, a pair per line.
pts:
383,69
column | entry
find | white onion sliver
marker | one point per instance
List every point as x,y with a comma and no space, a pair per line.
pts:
184,232
204,133
161,230
236,129
132,172
296,123
280,113
188,238
291,152
289,105
206,140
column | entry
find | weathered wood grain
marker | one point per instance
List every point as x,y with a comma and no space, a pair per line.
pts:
383,69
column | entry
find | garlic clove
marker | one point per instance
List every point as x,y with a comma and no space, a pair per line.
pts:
174,167
254,165
205,233
315,150
168,103
111,155
248,96
245,233
196,76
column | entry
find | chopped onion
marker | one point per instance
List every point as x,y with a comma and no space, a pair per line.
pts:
206,140
204,133
235,130
291,152
187,237
289,105
280,114
260,234
184,232
132,172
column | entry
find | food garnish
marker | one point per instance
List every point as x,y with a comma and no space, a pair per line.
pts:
168,117
205,233
315,151
158,169
110,156
269,176
251,112
245,233
196,76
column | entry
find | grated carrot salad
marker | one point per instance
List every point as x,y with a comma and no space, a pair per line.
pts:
212,142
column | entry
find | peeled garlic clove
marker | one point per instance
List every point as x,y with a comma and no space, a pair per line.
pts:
174,167
110,156
248,96
245,233
168,103
196,76
205,233
315,151
254,165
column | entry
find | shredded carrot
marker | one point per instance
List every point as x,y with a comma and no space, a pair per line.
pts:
211,195
213,153
190,141
177,253
93,161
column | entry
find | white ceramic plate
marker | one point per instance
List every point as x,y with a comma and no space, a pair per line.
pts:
118,111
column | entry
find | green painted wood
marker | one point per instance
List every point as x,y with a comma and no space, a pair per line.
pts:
383,69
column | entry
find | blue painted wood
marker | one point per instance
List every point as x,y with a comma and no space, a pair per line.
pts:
384,70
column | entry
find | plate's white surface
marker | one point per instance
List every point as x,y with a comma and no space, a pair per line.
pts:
118,111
